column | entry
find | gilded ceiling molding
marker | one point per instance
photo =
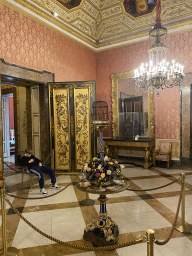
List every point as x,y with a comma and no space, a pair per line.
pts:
104,24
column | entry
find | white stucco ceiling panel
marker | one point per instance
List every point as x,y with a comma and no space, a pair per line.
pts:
101,4
88,7
111,11
83,27
177,12
129,22
115,30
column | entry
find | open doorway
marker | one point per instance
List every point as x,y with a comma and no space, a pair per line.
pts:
8,127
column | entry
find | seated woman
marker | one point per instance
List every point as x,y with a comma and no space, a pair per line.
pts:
35,165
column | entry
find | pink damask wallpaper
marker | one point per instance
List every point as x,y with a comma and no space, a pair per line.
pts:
167,114
167,104
28,43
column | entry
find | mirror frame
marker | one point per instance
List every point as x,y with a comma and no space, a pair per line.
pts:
115,77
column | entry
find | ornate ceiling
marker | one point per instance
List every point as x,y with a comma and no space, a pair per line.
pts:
103,24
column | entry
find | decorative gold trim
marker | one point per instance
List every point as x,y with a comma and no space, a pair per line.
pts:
115,109
151,115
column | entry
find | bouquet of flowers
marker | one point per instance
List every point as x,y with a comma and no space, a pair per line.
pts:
101,172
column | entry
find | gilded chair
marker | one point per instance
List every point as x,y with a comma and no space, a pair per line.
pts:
163,153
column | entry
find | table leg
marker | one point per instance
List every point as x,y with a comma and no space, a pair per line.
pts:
146,165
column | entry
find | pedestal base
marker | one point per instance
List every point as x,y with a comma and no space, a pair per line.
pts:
11,251
87,202
96,237
187,228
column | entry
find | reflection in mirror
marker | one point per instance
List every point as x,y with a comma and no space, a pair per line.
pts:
132,109
123,82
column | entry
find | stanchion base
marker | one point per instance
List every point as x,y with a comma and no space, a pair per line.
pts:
11,251
87,202
187,228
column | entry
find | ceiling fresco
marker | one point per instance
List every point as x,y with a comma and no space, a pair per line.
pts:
69,4
103,24
140,7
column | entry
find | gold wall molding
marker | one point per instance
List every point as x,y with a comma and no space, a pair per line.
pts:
151,114
115,109
186,116
21,114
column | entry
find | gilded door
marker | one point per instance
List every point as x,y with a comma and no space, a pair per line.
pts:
72,136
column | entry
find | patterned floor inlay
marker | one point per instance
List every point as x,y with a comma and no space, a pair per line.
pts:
135,210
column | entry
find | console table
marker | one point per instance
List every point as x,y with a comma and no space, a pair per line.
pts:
148,145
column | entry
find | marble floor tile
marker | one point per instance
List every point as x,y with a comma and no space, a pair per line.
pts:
65,222
172,203
137,250
137,172
62,217
180,246
152,220
57,223
84,254
68,195
15,179
136,207
27,237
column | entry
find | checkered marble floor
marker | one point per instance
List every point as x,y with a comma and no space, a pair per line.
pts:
63,217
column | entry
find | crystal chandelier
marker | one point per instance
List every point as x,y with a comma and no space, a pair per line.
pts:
157,72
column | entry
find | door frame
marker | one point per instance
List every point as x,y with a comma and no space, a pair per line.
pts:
15,75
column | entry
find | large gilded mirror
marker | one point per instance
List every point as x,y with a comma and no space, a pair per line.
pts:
132,109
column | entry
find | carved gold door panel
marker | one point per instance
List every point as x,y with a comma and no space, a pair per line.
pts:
61,128
82,127
71,134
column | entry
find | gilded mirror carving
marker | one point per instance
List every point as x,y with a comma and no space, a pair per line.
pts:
116,80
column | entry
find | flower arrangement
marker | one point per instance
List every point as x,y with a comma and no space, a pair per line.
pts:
101,172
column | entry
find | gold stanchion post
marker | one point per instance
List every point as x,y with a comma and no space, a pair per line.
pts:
3,214
150,240
5,251
184,227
